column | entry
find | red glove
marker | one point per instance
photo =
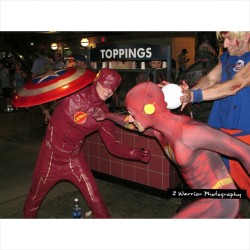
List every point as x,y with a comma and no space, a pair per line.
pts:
141,154
99,114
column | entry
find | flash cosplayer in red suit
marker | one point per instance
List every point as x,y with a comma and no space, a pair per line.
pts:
61,156
193,146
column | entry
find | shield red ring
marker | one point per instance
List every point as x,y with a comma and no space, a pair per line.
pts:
52,86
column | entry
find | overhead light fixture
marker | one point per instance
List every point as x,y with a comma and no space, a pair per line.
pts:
54,46
85,42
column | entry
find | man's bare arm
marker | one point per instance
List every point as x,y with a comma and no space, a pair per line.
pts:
209,88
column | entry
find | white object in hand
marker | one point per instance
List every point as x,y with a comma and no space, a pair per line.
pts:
172,93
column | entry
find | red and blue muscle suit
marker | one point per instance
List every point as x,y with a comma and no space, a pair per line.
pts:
193,146
61,156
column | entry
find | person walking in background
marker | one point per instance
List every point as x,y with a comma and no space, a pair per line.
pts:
19,78
58,61
6,86
70,62
80,62
41,65
182,60
206,58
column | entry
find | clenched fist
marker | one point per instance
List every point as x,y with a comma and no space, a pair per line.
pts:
99,114
141,154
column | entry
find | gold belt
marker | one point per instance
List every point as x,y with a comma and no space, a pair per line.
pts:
223,182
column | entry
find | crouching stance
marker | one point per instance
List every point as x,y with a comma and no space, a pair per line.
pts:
194,147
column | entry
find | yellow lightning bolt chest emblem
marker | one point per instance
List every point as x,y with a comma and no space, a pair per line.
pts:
80,117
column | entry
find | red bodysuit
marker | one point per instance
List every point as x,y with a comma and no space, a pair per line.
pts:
61,156
193,146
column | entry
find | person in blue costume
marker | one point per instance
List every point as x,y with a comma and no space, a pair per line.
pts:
229,85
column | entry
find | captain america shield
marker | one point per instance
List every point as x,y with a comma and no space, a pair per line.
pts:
52,85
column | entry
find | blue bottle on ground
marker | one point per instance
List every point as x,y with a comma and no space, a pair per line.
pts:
77,211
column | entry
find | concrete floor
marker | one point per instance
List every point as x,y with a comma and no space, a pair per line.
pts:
21,134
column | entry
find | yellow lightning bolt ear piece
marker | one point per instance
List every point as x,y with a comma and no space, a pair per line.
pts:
149,109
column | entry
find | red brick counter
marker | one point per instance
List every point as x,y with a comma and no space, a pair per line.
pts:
158,173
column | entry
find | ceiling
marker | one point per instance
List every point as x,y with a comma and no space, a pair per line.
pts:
26,43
